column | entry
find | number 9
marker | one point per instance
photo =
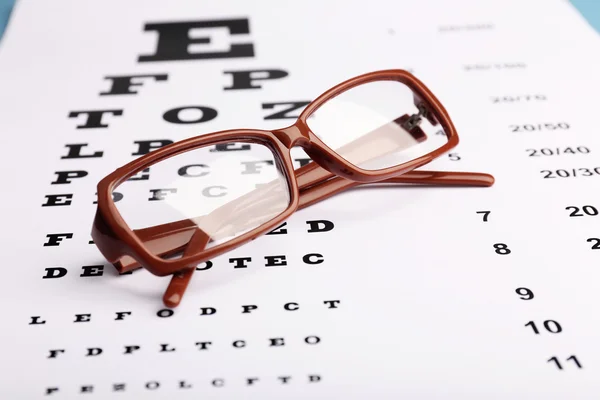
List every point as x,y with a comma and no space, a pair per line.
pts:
524,293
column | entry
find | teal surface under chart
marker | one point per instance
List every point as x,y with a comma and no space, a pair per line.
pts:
5,7
590,9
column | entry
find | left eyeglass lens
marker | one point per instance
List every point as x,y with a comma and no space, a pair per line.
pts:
221,191
376,125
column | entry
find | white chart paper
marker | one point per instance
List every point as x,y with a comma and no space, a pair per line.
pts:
417,293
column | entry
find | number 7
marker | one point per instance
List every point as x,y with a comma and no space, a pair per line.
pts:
485,215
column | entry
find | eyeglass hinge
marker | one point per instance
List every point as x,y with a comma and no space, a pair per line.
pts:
415,119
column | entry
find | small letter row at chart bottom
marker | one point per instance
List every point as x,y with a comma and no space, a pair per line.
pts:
185,384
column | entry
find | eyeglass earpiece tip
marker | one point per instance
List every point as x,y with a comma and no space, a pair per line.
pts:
172,300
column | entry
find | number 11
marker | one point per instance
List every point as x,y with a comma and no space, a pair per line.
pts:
572,358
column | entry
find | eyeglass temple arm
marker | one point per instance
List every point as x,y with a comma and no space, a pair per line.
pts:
324,189
180,280
171,238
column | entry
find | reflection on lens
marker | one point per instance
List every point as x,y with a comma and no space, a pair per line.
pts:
221,191
376,125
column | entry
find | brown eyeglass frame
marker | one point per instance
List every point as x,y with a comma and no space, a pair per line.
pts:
329,174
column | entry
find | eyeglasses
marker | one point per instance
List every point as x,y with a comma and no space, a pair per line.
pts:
201,197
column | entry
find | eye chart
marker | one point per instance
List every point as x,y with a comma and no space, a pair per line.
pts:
379,292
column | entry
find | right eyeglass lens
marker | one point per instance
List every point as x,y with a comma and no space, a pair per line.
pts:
376,125
220,192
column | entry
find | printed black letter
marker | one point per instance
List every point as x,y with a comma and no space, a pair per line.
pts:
245,79
206,114
146,146
175,40
67,176
123,84
283,114
54,239
57,200
94,118
75,152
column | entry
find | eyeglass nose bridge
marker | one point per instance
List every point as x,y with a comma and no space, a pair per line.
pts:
297,134
300,135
